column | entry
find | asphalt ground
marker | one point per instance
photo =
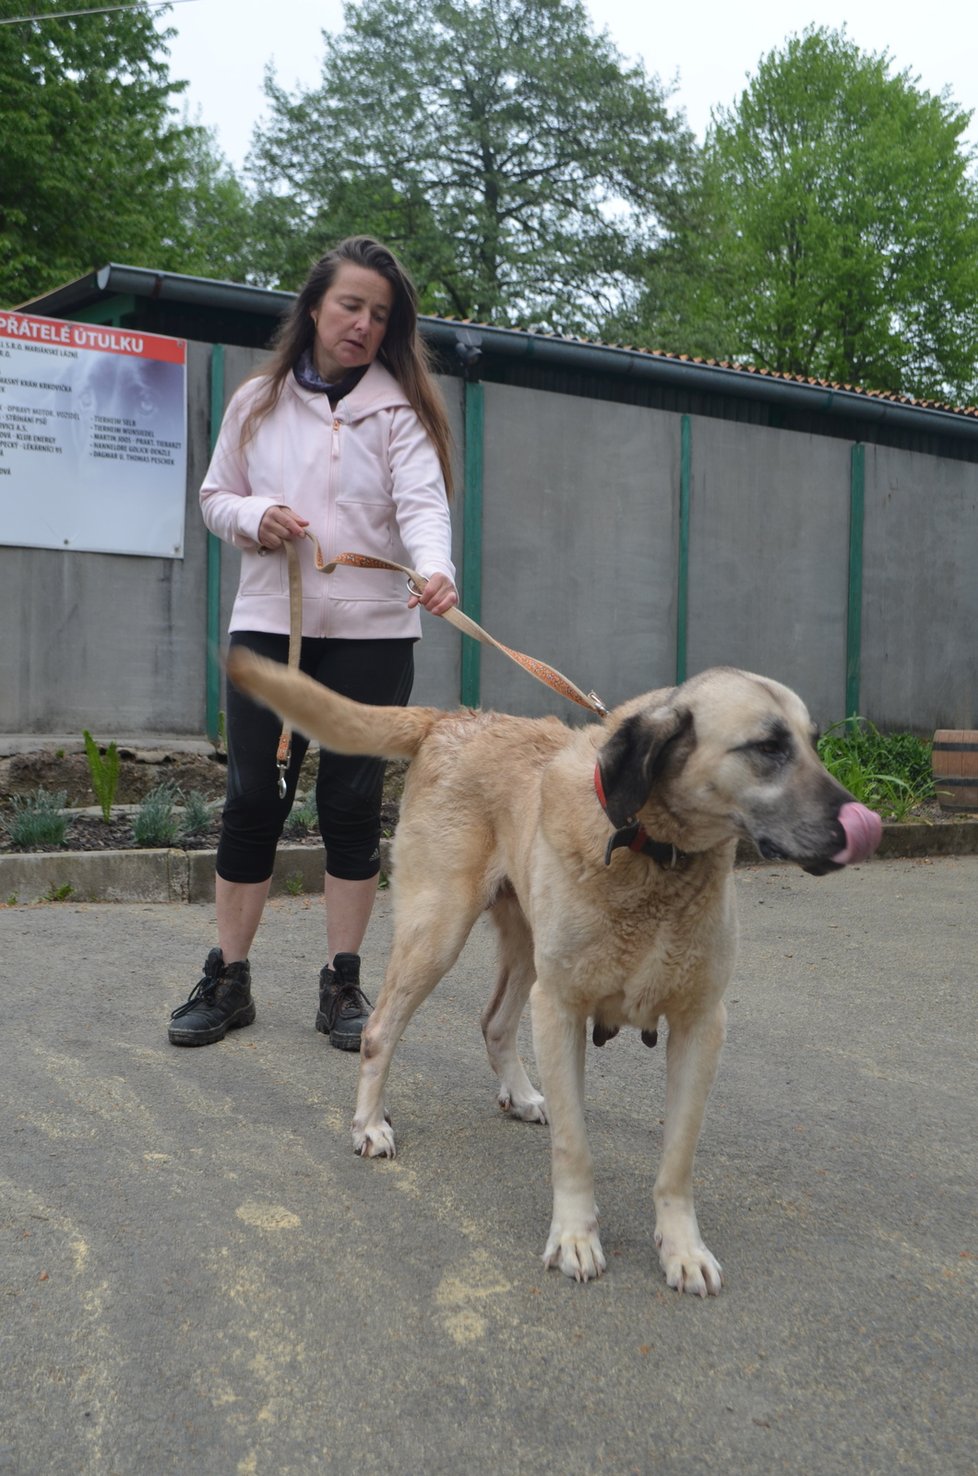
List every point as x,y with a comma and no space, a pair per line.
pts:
197,1275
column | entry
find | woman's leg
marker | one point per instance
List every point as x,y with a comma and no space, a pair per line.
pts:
239,911
348,908
254,814
349,793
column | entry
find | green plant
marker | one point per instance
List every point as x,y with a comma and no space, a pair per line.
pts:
197,814
890,773
303,819
37,820
155,822
220,738
294,885
12,900
104,772
58,894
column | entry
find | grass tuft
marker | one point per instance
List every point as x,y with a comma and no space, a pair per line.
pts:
890,773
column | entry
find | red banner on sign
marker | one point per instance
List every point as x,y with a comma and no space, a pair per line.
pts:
60,333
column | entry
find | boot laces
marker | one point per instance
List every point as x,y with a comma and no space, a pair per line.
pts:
203,990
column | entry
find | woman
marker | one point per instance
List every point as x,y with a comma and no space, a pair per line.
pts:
344,433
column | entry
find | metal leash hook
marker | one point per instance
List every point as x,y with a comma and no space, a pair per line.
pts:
281,781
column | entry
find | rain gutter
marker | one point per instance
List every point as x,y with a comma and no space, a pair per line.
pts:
712,379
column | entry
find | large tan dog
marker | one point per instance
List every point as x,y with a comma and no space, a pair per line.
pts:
605,854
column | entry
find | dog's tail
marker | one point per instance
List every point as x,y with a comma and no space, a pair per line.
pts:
338,723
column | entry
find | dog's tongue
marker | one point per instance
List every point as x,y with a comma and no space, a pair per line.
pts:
864,831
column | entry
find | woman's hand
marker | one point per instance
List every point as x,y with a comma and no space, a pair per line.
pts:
438,596
279,524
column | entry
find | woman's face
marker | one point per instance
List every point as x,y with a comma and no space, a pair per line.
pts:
351,320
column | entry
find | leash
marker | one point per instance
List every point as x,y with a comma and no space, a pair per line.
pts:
633,835
548,675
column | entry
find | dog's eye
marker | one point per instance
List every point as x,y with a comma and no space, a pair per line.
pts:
770,748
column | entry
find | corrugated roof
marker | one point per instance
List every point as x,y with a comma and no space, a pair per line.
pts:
969,411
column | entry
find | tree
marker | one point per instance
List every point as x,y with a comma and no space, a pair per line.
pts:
506,150
835,232
95,166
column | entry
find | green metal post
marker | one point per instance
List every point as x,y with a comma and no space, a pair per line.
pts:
682,576
854,621
471,661
214,560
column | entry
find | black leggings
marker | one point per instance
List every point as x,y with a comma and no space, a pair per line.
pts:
349,790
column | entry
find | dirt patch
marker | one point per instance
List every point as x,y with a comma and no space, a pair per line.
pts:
141,772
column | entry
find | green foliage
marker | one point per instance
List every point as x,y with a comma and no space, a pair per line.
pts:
104,772
891,773
198,814
59,894
95,166
293,884
220,739
303,819
517,162
155,822
37,821
833,231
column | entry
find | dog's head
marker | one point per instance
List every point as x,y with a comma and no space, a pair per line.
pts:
730,754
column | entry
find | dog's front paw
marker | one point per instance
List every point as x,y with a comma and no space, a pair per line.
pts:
577,1253
689,1266
529,1108
375,1141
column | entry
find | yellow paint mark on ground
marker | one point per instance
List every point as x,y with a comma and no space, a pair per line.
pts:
474,1283
267,1216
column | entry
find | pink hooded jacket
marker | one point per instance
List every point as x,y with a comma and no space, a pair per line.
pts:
367,478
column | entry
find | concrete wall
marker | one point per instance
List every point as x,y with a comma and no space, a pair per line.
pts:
768,578
579,534
920,604
580,567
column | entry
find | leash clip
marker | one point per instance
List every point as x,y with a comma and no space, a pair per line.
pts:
281,781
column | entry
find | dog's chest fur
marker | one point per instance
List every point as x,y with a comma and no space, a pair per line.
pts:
631,940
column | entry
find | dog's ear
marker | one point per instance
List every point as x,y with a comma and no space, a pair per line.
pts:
633,757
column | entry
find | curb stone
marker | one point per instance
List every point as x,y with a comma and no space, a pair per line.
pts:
188,876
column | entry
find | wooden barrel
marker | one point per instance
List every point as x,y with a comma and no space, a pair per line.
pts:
954,763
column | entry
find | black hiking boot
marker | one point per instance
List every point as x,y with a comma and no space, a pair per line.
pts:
220,1002
343,1006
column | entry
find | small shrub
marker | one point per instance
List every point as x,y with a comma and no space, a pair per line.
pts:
36,820
104,772
303,819
59,894
197,814
891,773
155,822
293,884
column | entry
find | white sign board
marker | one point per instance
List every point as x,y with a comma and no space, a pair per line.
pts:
93,437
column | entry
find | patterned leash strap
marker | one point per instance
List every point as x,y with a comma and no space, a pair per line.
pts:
284,752
416,582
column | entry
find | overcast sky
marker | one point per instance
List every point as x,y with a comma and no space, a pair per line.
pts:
222,47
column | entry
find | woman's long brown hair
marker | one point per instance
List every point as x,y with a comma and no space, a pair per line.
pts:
403,351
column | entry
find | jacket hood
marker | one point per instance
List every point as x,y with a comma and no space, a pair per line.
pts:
377,390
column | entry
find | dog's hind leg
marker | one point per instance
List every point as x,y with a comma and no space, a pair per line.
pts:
423,950
502,1014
